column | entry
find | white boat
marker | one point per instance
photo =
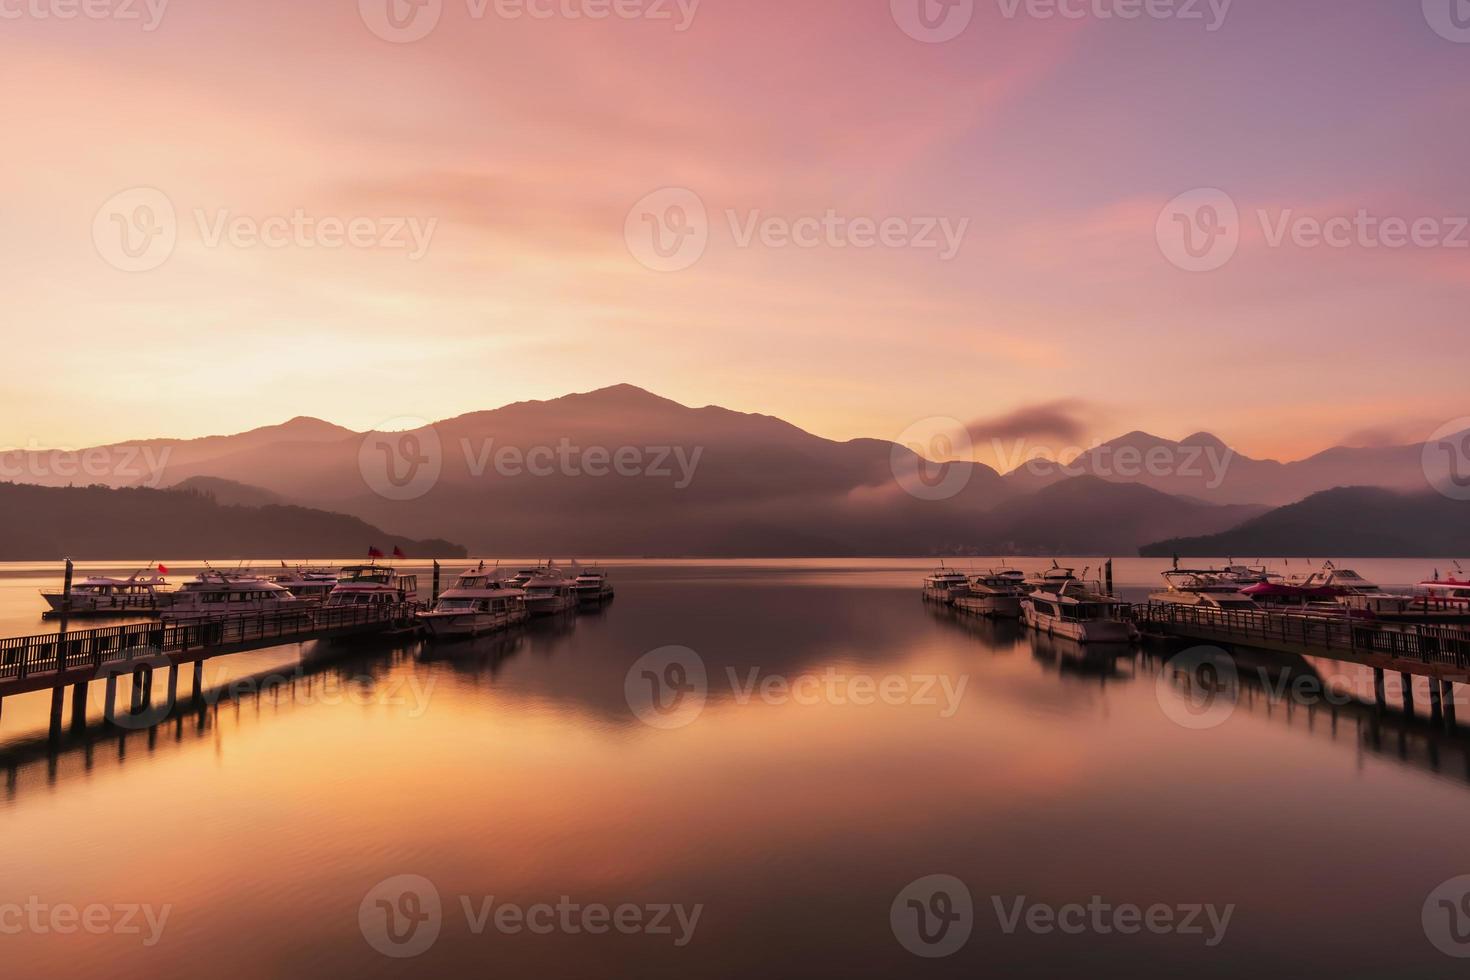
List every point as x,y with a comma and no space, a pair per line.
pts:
520,578
306,582
478,603
1077,614
1054,578
362,585
550,593
945,584
593,586
1340,581
1205,588
221,594
101,596
998,592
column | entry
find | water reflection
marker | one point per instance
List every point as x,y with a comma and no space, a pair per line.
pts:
515,765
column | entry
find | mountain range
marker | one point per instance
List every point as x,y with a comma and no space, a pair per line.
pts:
543,477
1365,522
47,523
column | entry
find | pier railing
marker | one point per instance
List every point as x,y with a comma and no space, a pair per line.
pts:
1428,644
24,656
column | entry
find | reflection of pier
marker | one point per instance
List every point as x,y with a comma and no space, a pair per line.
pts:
314,680
1439,653
59,660
1290,690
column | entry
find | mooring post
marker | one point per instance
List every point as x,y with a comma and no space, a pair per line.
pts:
1379,697
1108,571
65,618
436,581
1407,680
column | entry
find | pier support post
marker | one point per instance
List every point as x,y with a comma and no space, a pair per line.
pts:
198,679
139,679
79,705
1435,711
58,696
1449,704
173,685
109,700
1407,680
1379,697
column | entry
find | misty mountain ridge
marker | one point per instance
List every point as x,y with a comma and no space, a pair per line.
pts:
753,485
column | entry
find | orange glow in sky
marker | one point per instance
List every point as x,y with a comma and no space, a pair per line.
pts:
491,170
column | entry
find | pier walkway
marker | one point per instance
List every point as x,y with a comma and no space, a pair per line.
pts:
57,660
1441,652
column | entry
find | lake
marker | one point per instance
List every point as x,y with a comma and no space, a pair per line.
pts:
736,769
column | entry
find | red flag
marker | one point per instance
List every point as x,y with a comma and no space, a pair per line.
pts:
398,552
163,569
374,553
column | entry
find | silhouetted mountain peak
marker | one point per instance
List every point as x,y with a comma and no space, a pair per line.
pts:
1205,440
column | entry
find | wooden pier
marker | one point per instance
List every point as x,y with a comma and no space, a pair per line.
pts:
63,659
1441,652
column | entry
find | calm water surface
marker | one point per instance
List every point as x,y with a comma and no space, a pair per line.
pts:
519,767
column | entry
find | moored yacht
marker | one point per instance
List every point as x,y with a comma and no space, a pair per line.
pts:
1203,588
1341,581
477,603
221,594
1449,590
361,585
520,578
1078,614
550,593
592,585
99,595
306,582
1054,578
997,592
945,584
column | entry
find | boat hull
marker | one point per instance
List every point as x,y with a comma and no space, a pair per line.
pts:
550,605
1082,631
467,624
104,606
996,607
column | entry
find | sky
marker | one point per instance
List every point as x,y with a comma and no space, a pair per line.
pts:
1098,222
